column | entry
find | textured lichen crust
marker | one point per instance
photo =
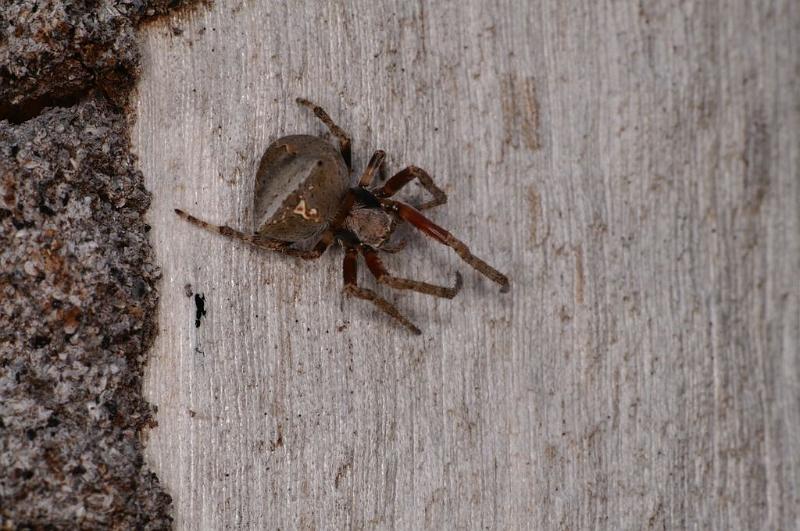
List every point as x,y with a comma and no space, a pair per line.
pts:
76,307
77,278
53,51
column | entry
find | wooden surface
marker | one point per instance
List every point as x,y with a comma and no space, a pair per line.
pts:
633,167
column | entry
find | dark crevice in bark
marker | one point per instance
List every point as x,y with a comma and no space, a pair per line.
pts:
17,114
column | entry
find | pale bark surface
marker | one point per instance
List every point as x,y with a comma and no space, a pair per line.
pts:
633,167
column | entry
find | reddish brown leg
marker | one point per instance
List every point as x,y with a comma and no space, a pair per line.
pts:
403,177
380,273
256,240
338,132
372,168
413,216
351,288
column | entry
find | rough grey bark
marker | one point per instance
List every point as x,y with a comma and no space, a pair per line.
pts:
76,277
77,297
52,52
632,166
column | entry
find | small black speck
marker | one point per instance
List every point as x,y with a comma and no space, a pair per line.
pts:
139,288
118,275
147,228
111,406
30,434
26,474
39,341
46,210
21,224
200,308
14,150
53,422
78,470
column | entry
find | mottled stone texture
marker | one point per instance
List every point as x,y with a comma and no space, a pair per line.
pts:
77,295
76,308
53,51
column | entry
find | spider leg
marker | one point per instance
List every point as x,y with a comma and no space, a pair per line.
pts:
405,176
372,168
255,240
338,132
380,273
415,217
351,288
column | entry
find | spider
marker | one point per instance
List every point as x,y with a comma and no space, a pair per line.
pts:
304,202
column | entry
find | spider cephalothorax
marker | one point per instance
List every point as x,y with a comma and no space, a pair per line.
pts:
371,226
304,201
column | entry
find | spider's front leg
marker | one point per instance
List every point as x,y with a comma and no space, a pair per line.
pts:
415,218
405,176
380,273
338,132
256,240
372,168
352,288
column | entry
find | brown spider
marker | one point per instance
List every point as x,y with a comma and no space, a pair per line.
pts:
304,202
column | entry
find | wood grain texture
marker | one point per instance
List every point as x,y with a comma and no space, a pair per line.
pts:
633,166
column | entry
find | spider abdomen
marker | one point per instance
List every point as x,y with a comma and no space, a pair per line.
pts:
299,186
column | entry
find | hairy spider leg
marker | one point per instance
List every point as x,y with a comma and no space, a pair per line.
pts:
350,274
372,168
415,218
255,240
380,273
405,176
338,132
